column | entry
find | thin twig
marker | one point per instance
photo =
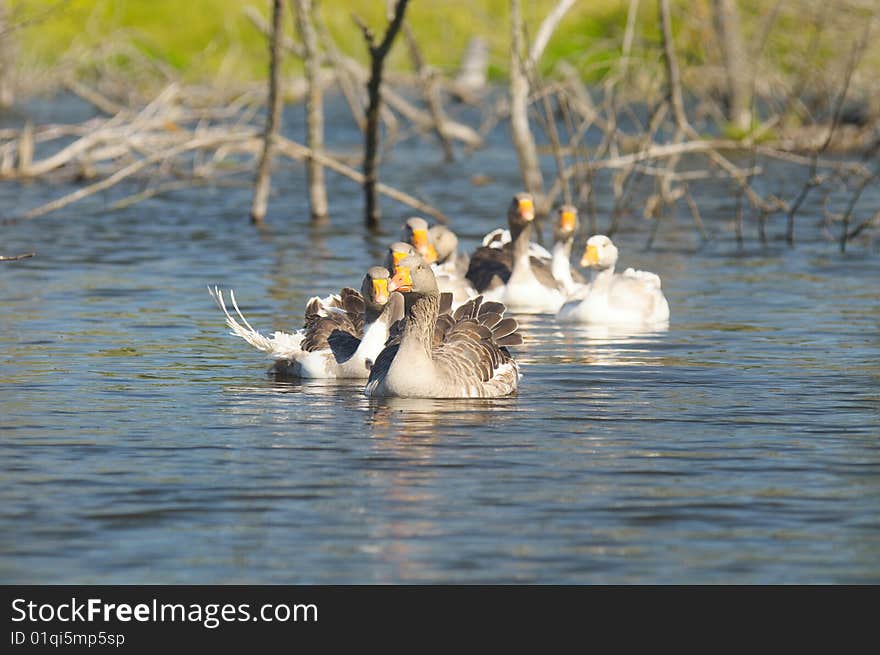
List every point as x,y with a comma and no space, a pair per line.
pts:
15,258
273,117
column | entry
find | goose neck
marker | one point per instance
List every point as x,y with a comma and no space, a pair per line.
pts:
560,264
418,333
520,244
600,279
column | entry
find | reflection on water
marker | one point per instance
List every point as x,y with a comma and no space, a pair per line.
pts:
142,443
429,416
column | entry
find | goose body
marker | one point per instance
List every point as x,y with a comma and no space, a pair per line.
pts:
442,354
510,275
342,336
629,298
449,260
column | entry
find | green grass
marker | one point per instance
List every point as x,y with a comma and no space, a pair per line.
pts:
213,41
207,39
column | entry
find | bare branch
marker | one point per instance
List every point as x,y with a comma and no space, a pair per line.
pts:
15,258
374,91
273,116
545,31
303,11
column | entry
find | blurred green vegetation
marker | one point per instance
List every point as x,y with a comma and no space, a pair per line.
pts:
213,41
207,39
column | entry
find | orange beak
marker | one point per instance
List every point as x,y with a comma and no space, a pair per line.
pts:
527,209
398,257
425,248
568,221
380,291
402,280
591,257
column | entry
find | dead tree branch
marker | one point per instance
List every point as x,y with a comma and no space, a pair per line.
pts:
374,91
273,116
15,258
521,133
303,11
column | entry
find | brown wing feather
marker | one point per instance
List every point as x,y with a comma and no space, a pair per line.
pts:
345,313
445,302
383,362
488,263
472,344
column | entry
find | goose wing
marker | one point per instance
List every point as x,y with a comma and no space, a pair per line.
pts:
380,367
343,345
640,295
345,314
490,266
472,349
649,280
544,273
500,238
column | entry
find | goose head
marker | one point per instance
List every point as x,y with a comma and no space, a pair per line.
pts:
415,232
567,222
445,241
414,275
521,212
398,251
374,288
600,253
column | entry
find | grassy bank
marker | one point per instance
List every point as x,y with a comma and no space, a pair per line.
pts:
213,41
210,39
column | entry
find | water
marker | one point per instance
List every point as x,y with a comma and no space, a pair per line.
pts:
140,443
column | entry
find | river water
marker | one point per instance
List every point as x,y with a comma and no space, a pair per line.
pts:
140,443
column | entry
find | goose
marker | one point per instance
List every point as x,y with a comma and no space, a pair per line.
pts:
509,275
415,232
398,251
444,355
449,260
342,336
570,279
438,246
629,298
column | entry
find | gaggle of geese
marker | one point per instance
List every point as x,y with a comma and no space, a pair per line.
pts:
431,322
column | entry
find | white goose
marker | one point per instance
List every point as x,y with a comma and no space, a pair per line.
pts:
444,355
629,298
510,275
342,336
449,260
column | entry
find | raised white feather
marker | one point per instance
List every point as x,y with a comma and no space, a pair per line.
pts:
281,346
285,349
499,237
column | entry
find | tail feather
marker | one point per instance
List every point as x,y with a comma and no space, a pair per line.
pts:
280,346
469,309
514,339
505,327
650,280
489,319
